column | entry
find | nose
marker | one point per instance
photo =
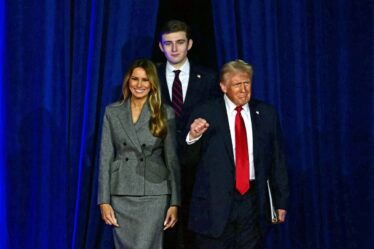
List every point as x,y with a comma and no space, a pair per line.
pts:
242,87
174,47
139,83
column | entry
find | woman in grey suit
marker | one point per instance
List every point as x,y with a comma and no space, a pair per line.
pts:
139,170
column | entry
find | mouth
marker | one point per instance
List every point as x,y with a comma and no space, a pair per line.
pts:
139,90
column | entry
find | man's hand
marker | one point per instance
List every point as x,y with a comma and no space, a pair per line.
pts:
281,215
197,128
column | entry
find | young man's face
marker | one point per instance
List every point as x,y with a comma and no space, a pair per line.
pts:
175,47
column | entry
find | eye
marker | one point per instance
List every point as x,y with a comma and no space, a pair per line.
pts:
167,43
181,42
134,78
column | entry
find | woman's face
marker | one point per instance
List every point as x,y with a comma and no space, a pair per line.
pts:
139,83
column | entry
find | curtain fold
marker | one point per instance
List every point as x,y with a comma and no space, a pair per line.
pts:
64,62
314,61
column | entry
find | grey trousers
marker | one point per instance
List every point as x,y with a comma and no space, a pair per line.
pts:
140,220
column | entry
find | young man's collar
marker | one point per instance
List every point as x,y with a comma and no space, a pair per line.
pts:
185,68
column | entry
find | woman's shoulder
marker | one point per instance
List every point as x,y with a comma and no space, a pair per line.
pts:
115,106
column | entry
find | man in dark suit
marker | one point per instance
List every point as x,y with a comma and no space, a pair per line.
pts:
184,85
236,143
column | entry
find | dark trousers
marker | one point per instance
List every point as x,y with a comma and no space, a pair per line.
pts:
242,230
180,237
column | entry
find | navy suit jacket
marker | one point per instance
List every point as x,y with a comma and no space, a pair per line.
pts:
214,186
203,85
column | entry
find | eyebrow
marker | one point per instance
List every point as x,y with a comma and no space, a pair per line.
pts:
175,41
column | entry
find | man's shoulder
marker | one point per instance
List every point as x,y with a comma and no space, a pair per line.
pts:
210,106
263,106
197,68
161,67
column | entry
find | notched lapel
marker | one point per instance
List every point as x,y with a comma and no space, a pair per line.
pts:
143,119
194,86
255,118
125,119
223,121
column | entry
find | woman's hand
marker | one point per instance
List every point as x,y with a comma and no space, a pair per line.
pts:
107,214
171,217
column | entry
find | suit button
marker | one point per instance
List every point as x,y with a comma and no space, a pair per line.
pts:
141,159
143,145
124,144
126,159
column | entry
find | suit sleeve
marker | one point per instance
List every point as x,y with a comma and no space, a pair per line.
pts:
171,159
106,157
191,153
278,174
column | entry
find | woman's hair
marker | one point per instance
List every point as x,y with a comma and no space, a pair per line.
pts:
157,121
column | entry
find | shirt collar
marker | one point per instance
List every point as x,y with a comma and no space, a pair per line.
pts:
230,106
185,68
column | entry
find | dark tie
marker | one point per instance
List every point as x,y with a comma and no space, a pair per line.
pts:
241,153
177,95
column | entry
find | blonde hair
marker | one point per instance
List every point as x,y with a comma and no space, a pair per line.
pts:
157,121
235,66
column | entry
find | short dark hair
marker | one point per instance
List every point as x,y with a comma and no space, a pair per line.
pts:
175,26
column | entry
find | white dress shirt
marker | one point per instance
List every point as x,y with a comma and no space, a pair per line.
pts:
184,76
231,113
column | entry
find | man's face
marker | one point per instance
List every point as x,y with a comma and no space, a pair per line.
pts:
238,87
175,47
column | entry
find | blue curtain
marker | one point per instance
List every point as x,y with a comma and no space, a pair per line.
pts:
63,62
313,59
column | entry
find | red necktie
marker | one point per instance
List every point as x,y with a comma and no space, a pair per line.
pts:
241,153
177,95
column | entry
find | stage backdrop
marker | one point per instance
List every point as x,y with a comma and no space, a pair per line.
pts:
62,61
314,61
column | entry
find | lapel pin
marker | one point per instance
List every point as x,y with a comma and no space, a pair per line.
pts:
257,112
198,76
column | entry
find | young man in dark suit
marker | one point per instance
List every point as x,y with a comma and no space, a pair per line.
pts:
184,85
236,143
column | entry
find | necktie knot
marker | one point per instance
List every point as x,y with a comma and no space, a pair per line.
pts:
177,72
239,108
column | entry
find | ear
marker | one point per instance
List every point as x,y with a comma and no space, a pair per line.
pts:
190,42
161,47
223,87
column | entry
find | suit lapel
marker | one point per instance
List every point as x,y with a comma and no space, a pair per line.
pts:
163,84
193,87
255,115
143,118
223,122
125,119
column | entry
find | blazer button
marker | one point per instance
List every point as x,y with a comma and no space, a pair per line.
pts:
143,145
141,159
124,144
126,159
